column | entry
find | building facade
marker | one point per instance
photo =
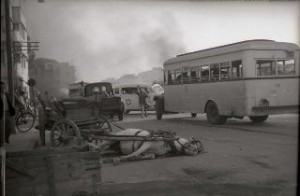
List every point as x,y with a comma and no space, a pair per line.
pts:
19,45
52,77
4,59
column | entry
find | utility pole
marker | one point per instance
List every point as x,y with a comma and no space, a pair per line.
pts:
10,72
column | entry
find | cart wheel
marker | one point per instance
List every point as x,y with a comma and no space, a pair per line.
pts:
103,125
64,132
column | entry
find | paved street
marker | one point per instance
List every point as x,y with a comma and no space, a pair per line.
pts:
240,158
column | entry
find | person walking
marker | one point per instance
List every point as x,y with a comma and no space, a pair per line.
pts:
142,100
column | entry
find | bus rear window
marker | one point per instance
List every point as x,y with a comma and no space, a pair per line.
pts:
171,77
265,68
286,67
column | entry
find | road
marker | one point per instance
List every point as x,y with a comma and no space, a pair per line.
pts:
240,158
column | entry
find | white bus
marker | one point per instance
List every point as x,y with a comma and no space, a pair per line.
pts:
252,78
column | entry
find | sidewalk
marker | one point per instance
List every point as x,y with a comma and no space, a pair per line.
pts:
23,141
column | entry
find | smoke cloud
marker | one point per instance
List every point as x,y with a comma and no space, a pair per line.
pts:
105,40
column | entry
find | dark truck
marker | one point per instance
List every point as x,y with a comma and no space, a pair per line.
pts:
109,105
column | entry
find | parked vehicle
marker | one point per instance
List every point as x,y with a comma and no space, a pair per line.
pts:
130,99
110,105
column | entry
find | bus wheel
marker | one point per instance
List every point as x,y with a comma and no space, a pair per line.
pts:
213,116
193,115
258,119
159,109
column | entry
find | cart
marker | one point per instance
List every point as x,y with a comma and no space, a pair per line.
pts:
72,120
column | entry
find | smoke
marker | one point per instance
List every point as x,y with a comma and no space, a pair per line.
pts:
136,44
106,40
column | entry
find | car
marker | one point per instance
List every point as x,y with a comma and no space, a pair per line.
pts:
129,96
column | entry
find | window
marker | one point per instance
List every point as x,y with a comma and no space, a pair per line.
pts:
171,77
129,90
166,77
225,71
286,67
195,74
205,73
116,91
178,76
265,68
214,72
186,75
237,69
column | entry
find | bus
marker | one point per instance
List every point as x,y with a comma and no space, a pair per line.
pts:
254,78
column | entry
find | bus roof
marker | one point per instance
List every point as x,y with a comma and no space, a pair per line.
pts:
258,44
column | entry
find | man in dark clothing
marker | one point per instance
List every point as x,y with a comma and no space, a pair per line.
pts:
7,114
142,100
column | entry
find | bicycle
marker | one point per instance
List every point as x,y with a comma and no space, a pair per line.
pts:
25,119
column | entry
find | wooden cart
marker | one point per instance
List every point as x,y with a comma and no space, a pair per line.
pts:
71,120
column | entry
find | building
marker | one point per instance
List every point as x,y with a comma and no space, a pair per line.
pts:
51,76
20,46
4,59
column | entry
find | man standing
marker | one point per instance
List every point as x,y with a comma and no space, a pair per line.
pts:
7,114
142,100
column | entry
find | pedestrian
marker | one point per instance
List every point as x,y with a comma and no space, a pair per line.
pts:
9,112
142,100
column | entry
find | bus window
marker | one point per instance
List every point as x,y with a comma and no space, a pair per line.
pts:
214,72
237,69
178,76
195,74
286,67
265,67
171,77
166,77
186,75
225,71
205,73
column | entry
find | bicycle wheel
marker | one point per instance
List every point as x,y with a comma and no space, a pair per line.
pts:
25,121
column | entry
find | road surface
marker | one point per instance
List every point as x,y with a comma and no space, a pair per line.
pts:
241,158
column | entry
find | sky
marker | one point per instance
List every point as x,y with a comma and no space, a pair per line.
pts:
108,39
